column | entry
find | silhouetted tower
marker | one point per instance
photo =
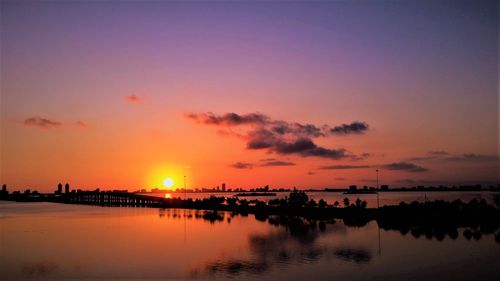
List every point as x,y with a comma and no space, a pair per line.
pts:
378,204
184,187
59,188
223,187
4,191
66,188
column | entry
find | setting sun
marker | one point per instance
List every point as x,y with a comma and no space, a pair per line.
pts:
168,182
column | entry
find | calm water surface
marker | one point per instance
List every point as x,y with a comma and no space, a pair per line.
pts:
44,241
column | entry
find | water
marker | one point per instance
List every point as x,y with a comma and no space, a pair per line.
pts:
385,198
46,241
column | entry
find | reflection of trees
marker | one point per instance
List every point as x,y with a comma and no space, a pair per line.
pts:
354,255
39,269
295,240
440,219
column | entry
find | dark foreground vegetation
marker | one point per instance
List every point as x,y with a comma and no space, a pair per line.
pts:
431,219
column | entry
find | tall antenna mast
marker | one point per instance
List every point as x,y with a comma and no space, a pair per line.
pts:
378,205
184,187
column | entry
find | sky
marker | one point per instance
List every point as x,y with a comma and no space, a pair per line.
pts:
123,94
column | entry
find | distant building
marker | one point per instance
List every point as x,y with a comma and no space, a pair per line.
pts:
59,188
223,187
384,187
352,188
66,188
4,192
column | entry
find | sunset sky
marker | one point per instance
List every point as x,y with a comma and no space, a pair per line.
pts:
116,94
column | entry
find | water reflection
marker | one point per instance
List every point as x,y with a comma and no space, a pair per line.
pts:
39,269
174,244
294,240
307,230
442,229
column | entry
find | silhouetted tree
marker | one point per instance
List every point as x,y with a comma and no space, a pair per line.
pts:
322,203
364,204
312,203
298,198
346,202
336,204
496,200
231,202
358,203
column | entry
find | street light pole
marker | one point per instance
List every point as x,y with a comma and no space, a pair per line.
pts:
378,205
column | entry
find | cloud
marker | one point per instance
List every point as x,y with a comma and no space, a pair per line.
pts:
228,119
360,157
242,165
343,167
311,173
423,158
367,180
465,157
353,128
416,182
41,123
81,124
405,166
270,162
305,147
135,99
267,159
471,157
340,179
438,152
276,136
277,163
431,155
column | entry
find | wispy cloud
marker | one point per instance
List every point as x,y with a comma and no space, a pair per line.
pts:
276,136
242,165
423,158
438,152
360,157
134,99
472,157
368,180
277,163
404,166
418,181
81,124
343,167
228,119
270,162
465,157
42,123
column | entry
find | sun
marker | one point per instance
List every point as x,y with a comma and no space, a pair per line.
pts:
168,182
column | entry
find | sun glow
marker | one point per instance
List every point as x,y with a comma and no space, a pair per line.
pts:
166,176
168,182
